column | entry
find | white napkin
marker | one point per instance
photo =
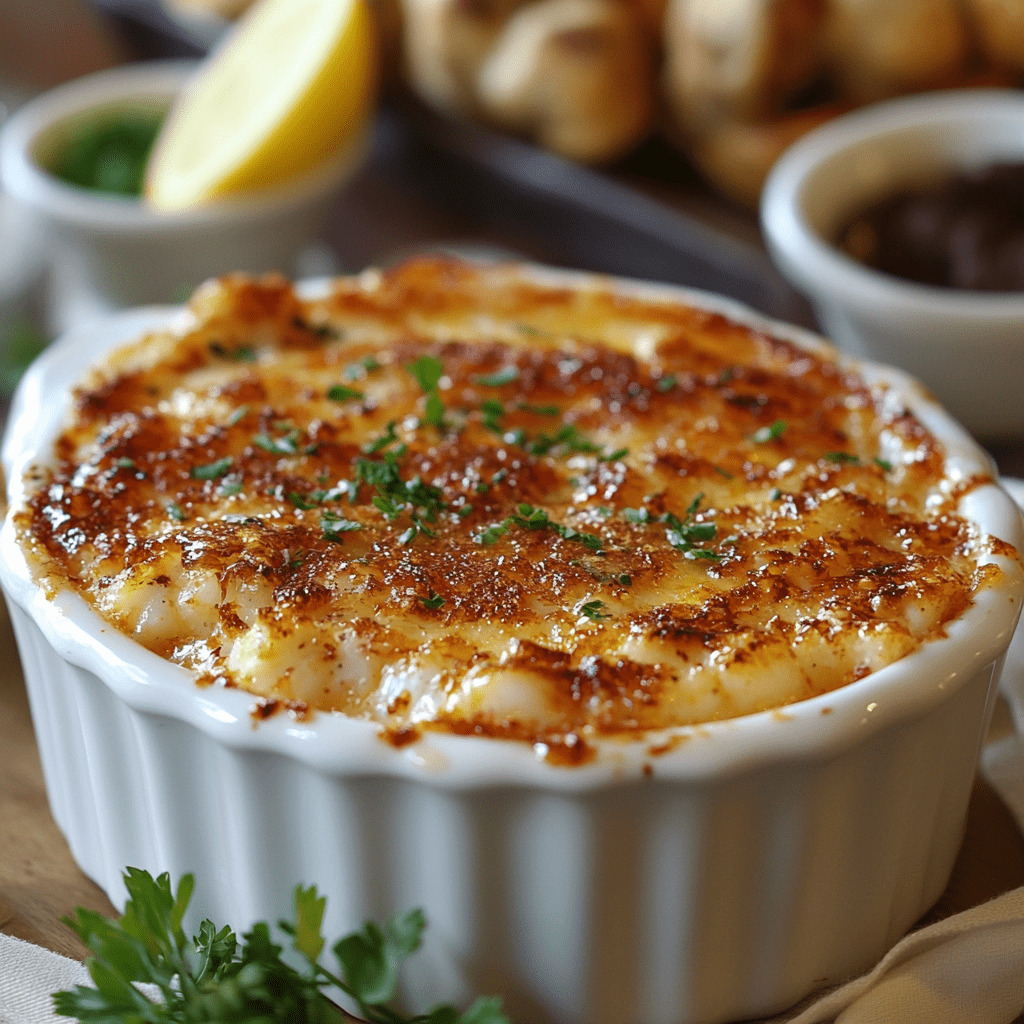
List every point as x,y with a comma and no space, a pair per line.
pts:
28,977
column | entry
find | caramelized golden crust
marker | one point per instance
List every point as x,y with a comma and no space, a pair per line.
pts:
452,498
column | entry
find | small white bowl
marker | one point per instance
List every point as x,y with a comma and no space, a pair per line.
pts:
751,861
126,252
968,347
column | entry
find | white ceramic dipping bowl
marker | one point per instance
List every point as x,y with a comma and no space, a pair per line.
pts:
968,347
723,879
124,252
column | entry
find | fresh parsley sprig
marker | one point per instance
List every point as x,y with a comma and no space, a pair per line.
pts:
215,979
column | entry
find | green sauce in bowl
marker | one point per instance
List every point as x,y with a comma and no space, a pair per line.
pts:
109,155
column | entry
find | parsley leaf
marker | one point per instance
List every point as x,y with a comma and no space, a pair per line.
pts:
499,378
214,977
842,457
770,433
432,601
593,610
211,471
340,393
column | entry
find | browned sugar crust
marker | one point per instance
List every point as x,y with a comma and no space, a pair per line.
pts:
609,515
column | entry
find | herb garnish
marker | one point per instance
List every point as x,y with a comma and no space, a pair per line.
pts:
539,410
175,512
884,464
213,977
241,354
530,518
684,534
846,457
500,378
432,601
395,495
765,434
428,371
332,526
211,471
666,383
340,393
366,366
593,610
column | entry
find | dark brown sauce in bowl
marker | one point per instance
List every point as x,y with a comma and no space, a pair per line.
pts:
965,232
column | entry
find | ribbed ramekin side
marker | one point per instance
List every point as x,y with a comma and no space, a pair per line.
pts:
98,796
651,902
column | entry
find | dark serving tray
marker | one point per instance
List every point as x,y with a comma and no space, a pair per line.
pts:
489,187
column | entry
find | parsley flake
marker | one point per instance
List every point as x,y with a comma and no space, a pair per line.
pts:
340,393
211,471
500,378
770,433
594,610
428,371
666,383
432,601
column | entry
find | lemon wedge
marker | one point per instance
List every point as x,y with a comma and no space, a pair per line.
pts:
291,85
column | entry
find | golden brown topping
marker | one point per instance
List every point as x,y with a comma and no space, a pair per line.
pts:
450,498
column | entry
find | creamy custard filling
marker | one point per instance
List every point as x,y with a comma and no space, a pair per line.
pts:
452,498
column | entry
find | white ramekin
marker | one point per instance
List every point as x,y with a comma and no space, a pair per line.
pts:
753,861
125,252
968,347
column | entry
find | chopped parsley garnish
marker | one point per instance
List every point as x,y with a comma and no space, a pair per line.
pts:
884,464
211,471
124,463
666,383
770,433
301,502
432,601
230,487
175,512
491,411
567,439
500,378
539,410
684,534
619,453
238,415
722,472
340,393
530,518
355,371
594,610
394,495
215,977
333,526
492,534
388,438
241,354
465,510
286,444
847,457
775,495
625,579
428,371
